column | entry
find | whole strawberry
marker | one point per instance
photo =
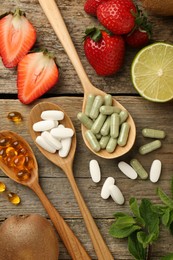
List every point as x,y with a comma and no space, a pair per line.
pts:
104,52
118,16
138,38
90,6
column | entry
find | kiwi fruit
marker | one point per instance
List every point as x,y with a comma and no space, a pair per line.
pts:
28,238
158,7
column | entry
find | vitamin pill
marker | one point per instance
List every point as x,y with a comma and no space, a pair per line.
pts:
98,123
104,141
137,166
44,125
85,120
23,175
2,187
62,133
98,101
105,192
153,133
149,147
109,110
65,147
29,163
112,143
55,143
155,170
95,172
92,140
106,126
124,133
13,198
127,170
123,116
5,141
10,151
41,142
114,126
14,116
108,100
52,115
116,194
89,103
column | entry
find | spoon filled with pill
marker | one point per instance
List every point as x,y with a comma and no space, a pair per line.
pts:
18,162
98,108
54,134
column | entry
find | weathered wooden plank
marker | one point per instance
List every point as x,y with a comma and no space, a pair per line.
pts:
77,20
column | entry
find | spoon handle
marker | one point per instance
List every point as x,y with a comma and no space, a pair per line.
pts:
73,245
100,247
54,16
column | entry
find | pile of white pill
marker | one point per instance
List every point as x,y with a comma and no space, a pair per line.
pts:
106,124
53,136
109,188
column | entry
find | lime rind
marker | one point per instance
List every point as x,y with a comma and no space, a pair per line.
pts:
152,72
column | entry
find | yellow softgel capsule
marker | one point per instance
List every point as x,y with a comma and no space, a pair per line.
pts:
2,187
14,116
13,198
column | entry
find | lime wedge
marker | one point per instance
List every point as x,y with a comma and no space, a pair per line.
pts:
152,72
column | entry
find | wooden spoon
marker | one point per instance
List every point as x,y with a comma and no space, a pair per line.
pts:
71,242
66,164
54,16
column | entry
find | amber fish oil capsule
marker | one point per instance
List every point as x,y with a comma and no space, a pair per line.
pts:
149,147
14,116
153,133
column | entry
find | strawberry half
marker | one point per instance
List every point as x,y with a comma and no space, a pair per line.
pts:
36,74
17,36
104,52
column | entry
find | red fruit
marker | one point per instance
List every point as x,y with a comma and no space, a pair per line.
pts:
90,6
138,38
36,74
105,53
117,16
17,36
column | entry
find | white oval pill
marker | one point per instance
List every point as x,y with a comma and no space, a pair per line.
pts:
155,170
65,147
55,143
41,142
95,172
44,125
127,170
52,114
105,192
62,133
116,194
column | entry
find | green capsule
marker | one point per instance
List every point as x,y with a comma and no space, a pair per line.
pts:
104,141
123,116
139,169
98,136
106,126
89,103
110,147
98,101
149,147
114,126
124,133
153,133
85,120
98,123
92,141
108,100
109,110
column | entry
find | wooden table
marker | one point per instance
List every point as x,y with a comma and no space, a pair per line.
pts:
68,93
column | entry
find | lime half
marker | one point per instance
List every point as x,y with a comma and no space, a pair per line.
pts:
152,72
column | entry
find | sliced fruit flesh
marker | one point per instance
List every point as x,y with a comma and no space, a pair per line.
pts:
152,72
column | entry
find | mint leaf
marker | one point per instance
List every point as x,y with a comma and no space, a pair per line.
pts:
121,214
172,187
135,247
117,232
168,257
159,209
125,221
145,239
135,209
164,198
166,216
151,218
